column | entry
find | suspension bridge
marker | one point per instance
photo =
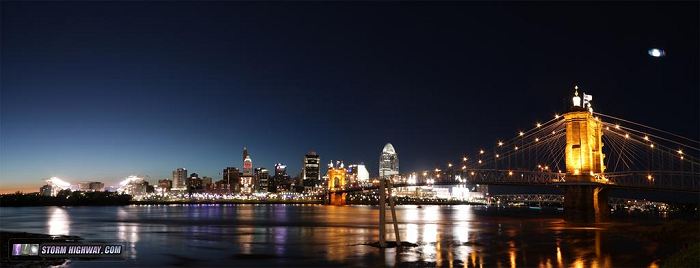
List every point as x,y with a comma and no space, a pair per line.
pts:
583,152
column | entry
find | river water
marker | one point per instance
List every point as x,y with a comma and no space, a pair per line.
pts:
315,235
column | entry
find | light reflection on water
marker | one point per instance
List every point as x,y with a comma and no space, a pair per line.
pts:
58,222
450,236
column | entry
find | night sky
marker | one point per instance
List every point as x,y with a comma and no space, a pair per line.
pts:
102,90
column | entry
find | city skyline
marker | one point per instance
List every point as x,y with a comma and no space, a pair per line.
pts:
174,94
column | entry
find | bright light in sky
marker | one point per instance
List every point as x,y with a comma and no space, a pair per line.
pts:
130,179
55,181
656,52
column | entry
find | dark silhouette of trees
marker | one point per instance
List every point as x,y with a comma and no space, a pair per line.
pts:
65,198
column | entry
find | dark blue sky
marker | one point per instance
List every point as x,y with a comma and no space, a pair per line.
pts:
107,89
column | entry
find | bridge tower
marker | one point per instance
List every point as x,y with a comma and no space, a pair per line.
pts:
585,196
336,183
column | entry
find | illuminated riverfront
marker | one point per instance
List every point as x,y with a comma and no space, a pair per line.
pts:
350,134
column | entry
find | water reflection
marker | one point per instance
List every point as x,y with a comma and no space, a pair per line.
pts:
59,222
449,236
128,233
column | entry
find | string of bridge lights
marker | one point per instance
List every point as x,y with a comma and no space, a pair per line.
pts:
553,131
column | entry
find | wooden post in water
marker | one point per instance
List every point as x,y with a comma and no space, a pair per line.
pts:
393,216
382,213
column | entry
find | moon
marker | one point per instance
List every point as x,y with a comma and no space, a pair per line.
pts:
656,52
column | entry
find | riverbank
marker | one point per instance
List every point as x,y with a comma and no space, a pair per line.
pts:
65,198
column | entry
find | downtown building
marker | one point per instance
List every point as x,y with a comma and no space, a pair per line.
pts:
179,179
311,171
164,186
280,181
358,174
262,179
247,183
194,183
230,180
91,186
389,163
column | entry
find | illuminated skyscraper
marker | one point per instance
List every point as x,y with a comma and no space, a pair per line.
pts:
311,173
262,179
280,182
247,177
388,162
179,179
247,163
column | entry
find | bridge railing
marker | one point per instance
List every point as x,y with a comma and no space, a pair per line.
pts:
649,180
661,180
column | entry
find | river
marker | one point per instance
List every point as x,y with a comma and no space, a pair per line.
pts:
315,235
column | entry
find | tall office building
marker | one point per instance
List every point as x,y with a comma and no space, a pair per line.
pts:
247,163
194,182
280,182
230,180
180,179
311,172
262,179
388,162
247,183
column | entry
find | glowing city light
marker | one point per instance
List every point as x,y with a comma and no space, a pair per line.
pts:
556,116
521,133
58,182
680,151
500,143
646,138
627,136
539,125
510,173
537,139
617,126
481,151
480,161
130,179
